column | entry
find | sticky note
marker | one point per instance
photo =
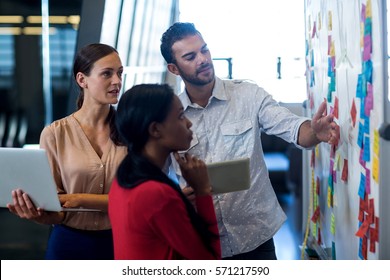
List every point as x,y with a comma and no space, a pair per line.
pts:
333,224
359,86
366,147
367,70
319,21
372,242
371,211
353,112
364,247
336,166
367,47
363,13
362,187
362,112
361,210
375,169
369,101
336,107
318,184
360,135
329,20
333,250
344,174
361,160
367,125
316,215
368,9
368,181
362,229
314,32
376,142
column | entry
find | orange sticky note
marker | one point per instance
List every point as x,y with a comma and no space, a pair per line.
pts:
363,229
353,113
336,107
344,174
316,215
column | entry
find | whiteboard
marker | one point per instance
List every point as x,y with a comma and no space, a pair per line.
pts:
345,65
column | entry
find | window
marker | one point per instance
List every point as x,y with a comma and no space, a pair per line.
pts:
254,34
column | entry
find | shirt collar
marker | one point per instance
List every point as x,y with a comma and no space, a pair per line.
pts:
218,93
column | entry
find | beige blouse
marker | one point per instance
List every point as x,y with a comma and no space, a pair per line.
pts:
77,168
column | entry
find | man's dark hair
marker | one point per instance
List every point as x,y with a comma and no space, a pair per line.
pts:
176,32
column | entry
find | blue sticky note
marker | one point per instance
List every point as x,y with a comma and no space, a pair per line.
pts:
329,66
366,124
333,250
362,108
330,182
312,58
362,186
329,95
360,135
333,82
361,248
367,68
307,47
366,146
368,26
359,86
312,80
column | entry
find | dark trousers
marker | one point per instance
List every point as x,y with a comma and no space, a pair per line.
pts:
67,243
265,251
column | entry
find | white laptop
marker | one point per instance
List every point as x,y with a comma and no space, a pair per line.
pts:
229,176
29,170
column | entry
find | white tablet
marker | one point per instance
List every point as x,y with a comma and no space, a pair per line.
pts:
29,170
229,176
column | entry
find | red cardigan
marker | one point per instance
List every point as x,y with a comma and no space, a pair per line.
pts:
150,221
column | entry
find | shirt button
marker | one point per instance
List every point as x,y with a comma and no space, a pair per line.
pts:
101,165
101,185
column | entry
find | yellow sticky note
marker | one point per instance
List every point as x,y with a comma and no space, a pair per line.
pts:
368,9
319,21
336,166
317,151
376,142
329,20
329,197
361,34
332,49
333,224
314,229
375,169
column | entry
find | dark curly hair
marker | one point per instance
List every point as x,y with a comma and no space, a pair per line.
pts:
176,32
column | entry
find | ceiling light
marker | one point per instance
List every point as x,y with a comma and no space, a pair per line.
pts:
52,19
10,30
11,19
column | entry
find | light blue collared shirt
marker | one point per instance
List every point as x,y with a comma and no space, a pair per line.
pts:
228,128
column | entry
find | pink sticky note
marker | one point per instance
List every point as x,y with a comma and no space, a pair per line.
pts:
367,47
369,101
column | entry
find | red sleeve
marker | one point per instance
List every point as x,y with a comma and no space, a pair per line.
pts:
171,221
205,207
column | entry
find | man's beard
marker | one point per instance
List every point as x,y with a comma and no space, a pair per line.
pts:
193,79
